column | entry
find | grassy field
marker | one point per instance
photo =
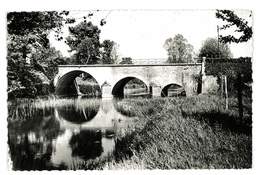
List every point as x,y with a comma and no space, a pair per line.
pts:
192,132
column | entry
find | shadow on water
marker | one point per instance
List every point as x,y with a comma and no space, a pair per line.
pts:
62,133
89,148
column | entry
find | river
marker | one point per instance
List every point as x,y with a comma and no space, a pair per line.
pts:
61,134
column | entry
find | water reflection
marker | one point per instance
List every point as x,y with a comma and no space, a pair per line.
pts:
64,137
79,112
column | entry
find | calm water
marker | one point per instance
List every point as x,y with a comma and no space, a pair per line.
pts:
63,133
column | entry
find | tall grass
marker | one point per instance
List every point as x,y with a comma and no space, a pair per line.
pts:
23,109
139,106
183,133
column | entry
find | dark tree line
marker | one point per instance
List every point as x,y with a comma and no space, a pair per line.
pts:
32,62
30,59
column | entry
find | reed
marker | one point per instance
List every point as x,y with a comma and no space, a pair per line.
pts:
23,109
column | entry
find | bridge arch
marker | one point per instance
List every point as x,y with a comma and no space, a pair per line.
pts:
77,116
66,84
175,90
118,88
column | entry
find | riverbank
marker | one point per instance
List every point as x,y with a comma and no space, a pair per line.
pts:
154,133
192,132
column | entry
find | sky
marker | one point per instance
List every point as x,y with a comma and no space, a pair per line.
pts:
141,34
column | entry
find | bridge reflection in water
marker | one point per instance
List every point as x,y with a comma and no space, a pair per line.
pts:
78,134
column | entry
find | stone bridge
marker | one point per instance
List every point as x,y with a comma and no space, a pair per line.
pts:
113,78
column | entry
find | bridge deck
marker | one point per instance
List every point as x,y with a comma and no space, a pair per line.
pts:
131,65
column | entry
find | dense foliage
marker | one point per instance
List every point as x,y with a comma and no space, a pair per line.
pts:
30,59
109,52
233,20
211,48
84,41
179,50
232,68
32,62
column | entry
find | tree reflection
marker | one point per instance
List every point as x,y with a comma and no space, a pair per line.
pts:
30,141
39,139
28,155
87,144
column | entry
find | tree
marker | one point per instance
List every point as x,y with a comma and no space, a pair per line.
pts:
84,40
126,60
36,23
109,53
30,59
28,34
212,49
246,33
233,20
179,50
47,60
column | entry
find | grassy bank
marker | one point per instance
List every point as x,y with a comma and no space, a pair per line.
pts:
192,132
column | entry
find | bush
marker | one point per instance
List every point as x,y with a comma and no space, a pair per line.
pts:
90,90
